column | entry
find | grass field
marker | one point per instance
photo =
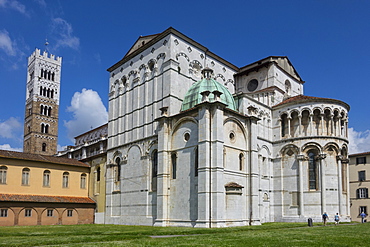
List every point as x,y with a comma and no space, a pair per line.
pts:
269,234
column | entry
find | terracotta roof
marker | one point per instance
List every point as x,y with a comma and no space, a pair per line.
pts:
41,158
303,98
359,154
40,198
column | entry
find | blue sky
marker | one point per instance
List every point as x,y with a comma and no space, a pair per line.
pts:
327,41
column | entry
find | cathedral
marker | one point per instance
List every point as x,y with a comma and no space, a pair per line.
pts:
194,140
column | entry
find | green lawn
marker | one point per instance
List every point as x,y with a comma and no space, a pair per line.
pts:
269,234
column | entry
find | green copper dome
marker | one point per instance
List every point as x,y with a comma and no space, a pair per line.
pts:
194,97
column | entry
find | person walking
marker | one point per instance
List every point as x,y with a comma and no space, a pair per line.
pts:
336,219
363,215
325,218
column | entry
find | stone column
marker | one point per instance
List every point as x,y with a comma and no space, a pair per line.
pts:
321,124
289,123
254,215
320,158
163,190
299,125
300,159
340,189
311,125
331,125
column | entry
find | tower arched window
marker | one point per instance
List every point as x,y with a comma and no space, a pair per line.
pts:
42,73
41,109
52,93
48,93
44,92
49,75
44,147
49,111
45,110
52,76
46,129
42,128
312,170
41,90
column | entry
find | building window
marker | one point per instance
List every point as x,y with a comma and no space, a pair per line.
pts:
98,174
26,176
65,180
241,161
362,193
69,213
3,212
361,160
28,212
154,170
362,209
46,178
312,170
49,213
118,169
44,147
83,181
361,176
3,170
196,164
174,165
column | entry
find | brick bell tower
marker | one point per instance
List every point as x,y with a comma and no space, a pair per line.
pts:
42,103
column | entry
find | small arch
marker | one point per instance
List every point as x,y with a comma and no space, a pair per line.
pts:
65,180
83,180
3,174
25,176
173,165
181,54
46,178
43,148
241,162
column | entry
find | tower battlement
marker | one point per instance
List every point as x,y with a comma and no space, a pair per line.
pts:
44,55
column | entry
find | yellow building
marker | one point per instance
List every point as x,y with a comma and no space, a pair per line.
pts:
359,183
43,190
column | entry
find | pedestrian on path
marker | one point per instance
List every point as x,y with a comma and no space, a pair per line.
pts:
363,215
336,219
325,218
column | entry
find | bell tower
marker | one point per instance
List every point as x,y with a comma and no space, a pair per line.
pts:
42,103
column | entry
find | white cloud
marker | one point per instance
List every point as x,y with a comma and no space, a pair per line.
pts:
15,5
41,2
359,142
8,147
88,112
9,128
6,43
64,31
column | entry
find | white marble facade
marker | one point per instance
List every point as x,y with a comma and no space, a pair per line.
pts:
280,156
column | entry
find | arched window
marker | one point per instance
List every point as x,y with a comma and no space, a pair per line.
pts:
46,179
45,110
154,169
42,73
41,109
26,176
49,75
52,76
42,128
3,170
174,165
284,125
48,93
241,161
46,128
65,180
196,162
44,92
44,147
49,111
118,169
52,93
41,91
83,181
312,170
